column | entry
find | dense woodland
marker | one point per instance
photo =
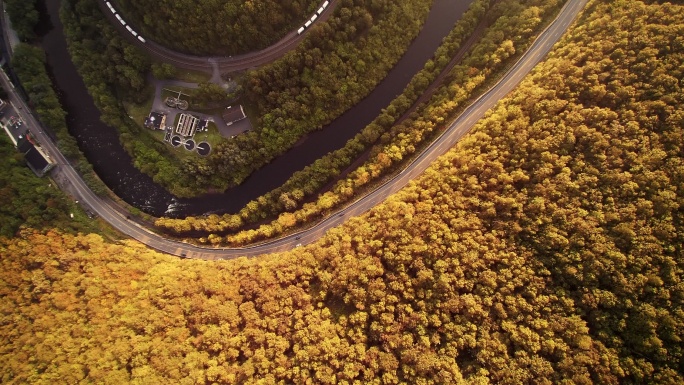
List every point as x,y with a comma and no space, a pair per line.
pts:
546,247
28,63
339,64
381,34
24,16
30,202
115,71
395,135
216,27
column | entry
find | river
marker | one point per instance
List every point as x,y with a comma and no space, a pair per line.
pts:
100,143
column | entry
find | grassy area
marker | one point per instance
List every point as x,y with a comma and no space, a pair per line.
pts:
138,112
211,136
185,74
158,135
192,76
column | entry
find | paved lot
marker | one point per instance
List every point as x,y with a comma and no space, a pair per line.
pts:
8,119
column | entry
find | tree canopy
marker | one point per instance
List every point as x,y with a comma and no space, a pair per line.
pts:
208,27
24,17
546,247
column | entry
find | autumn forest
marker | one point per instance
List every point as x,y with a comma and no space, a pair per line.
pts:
545,248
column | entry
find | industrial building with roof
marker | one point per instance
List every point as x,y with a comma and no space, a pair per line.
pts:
37,161
187,124
233,114
155,121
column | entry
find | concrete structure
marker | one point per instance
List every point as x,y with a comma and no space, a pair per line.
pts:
156,121
202,125
177,103
187,124
233,114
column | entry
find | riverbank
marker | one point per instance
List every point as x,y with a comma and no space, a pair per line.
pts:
101,144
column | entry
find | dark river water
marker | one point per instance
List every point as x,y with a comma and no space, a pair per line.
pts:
100,143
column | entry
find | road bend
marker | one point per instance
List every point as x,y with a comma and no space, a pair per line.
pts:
224,63
68,179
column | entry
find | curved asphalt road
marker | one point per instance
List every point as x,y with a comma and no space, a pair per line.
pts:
70,180
219,63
